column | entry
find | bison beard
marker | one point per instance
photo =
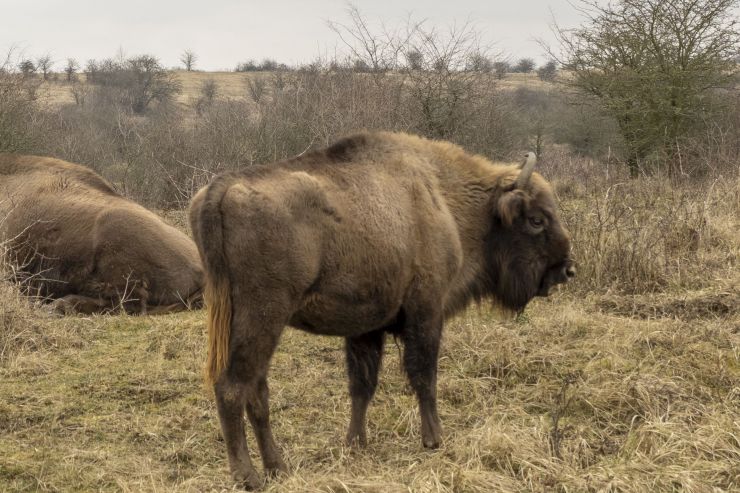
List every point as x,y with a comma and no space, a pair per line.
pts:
516,274
378,233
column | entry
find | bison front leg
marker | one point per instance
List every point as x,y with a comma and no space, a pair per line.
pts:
421,349
364,354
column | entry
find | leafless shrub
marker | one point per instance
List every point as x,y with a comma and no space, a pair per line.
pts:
523,66
79,92
27,68
134,82
266,65
501,68
642,237
14,311
548,71
44,64
208,93
71,69
257,87
20,122
447,89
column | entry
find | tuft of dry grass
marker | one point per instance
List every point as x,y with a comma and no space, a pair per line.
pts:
651,235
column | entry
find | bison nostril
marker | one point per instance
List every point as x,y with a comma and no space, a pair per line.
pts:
570,272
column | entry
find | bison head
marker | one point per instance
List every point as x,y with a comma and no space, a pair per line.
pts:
528,248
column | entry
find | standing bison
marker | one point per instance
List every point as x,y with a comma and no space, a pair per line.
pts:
71,238
378,233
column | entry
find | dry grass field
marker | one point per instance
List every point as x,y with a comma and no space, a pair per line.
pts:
231,85
626,380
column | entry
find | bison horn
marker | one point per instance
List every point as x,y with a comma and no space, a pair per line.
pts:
526,169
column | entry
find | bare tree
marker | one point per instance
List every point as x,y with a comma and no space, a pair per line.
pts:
248,66
379,51
18,115
79,92
548,71
44,64
269,65
414,60
501,68
361,66
440,80
135,82
188,59
208,93
652,65
91,70
71,69
478,62
150,82
524,66
446,89
27,67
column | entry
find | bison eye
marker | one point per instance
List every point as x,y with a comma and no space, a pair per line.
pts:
537,223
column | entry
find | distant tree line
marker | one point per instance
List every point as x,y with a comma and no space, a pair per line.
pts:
413,60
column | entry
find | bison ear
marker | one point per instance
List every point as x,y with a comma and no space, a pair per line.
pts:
509,206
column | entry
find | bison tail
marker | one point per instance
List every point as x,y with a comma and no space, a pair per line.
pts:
217,293
218,301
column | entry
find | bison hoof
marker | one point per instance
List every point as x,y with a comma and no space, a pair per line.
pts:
356,441
276,468
431,433
431,443
248,480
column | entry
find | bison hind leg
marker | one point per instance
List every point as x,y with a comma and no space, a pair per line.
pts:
230,399
243,384
259,417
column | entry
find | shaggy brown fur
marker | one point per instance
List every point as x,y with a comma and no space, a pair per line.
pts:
72,238
378,233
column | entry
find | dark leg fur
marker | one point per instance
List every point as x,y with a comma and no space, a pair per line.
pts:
258,410
74,303
230,397
364,355
244,384
421,349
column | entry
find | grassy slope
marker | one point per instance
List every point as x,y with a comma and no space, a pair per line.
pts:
231,85
116,403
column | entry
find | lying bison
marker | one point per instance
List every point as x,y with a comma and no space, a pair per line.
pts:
379,233
70,237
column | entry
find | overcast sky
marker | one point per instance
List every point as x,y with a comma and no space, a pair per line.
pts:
225,32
